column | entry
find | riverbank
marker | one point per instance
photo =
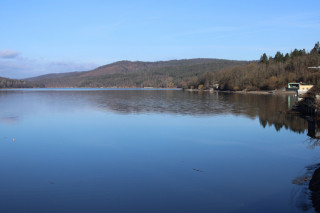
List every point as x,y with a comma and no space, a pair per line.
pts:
308,105
258,92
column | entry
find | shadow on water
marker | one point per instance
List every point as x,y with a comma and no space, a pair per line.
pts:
314,187
314,130
307,196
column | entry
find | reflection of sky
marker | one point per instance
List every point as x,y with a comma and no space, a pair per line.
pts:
101,159
18,104
9,120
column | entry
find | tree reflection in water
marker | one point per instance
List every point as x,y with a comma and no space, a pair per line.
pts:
269,109
308,196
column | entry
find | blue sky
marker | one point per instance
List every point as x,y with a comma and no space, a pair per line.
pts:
39,37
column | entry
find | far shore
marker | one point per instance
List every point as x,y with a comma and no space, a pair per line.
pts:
257,92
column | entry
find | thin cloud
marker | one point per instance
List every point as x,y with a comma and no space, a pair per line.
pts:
63,66
7,54
25,67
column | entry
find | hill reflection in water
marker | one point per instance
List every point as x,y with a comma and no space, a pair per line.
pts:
270,109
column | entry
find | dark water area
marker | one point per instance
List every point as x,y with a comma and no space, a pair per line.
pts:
104,150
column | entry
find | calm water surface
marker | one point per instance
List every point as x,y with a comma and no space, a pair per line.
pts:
152,151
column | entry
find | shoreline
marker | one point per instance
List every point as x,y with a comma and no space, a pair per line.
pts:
256,92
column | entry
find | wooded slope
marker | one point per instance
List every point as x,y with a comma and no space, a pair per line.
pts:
175,73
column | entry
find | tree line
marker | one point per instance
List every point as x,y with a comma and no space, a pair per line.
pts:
12,83
268,73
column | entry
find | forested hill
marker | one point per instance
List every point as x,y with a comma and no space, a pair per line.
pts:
174,73
271,72
12,83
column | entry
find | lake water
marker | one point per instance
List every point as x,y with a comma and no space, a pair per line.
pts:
109,150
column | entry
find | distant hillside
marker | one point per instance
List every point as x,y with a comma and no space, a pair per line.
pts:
174,73
271,72
12,83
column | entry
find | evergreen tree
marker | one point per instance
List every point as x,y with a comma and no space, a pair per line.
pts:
286,57
279,57
264,58
316,49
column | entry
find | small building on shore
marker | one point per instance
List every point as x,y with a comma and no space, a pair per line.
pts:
293,86
303,88
300,88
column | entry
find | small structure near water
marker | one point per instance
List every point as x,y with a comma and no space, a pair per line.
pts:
293,86
303,88
300,88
